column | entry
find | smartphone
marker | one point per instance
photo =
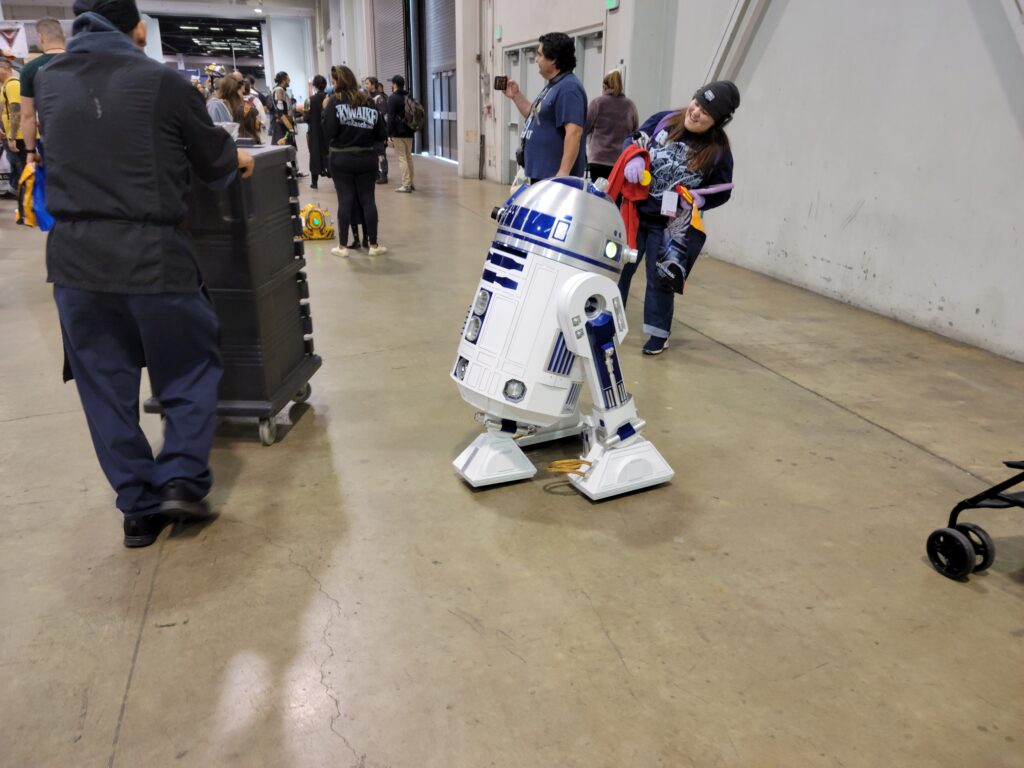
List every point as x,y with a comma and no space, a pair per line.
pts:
500,82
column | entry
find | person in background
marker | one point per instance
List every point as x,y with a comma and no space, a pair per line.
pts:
282,129
10,99
400,135
226,104
126,285
611,118
51,42
552,143
313,115
251,104
352,126
688,149
256,100
375,88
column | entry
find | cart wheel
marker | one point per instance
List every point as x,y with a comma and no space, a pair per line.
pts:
951,553
303,394
268,431
982,543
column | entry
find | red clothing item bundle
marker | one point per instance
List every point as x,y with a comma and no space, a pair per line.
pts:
632,193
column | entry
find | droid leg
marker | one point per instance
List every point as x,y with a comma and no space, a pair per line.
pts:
618,458
493,458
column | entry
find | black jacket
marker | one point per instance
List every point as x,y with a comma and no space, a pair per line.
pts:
352,129
318,165
397,127
122,133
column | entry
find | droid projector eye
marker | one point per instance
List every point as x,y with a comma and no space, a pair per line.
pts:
514,390
460,368
483,299
611,250
473,328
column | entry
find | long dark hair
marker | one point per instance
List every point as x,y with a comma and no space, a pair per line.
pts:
229,90
705,149
346,88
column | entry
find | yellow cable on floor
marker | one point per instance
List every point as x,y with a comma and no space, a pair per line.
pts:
568,466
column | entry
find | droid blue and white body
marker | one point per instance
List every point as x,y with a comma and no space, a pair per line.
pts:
546,320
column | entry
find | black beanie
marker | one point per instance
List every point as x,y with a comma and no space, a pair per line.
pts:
719,100
123,14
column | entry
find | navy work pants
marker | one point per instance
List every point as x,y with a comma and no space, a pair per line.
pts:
108,338
659,300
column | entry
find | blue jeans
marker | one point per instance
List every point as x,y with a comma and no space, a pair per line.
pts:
659,300
108,338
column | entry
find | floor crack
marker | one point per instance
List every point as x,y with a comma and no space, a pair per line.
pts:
323,636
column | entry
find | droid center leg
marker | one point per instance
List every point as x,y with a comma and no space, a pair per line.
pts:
618,459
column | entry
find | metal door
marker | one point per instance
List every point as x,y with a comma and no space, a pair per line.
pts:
443,124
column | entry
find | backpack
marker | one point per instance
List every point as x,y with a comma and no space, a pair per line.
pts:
415,116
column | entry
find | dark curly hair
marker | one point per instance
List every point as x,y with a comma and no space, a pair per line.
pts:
561,48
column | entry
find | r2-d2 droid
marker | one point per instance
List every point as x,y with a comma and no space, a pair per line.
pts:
546,318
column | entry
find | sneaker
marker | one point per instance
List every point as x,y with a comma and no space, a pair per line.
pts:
340,250
377,250
404,189
143,531
655,345
178,502
354,244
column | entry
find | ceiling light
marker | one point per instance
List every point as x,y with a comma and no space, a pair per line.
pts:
184,26
258,10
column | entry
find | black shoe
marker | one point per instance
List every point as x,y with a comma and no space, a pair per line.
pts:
179,503
354,244
313,185
143,531
382,180
655,345
366,244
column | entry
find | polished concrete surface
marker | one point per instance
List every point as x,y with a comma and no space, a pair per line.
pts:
355,604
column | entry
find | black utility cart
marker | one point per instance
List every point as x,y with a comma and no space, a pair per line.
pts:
250,253
964,548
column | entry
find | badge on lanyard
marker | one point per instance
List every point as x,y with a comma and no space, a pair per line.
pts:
669,202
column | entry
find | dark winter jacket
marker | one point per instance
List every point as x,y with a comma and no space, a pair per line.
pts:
348,128
397,127
315,137
122,133
668,169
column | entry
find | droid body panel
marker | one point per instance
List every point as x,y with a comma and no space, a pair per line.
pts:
547,319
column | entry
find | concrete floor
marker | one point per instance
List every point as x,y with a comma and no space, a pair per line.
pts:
355,604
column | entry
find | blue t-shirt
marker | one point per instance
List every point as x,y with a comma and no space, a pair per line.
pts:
563,102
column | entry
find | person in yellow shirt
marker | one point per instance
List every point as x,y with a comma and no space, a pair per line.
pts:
10,97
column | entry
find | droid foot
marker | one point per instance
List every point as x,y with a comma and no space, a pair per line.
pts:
622,469
493,458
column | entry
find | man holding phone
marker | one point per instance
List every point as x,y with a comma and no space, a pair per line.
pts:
552,141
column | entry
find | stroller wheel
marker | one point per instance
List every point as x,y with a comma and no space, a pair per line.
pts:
950,553
982,543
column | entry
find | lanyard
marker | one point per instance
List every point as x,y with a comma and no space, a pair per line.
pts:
535,107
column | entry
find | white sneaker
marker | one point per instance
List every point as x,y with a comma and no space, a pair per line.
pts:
340,250
377,250
404,189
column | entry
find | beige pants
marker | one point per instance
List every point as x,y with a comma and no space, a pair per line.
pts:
403,148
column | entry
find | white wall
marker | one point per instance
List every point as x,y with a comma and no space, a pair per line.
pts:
351,36
879,160
154,47
288,47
